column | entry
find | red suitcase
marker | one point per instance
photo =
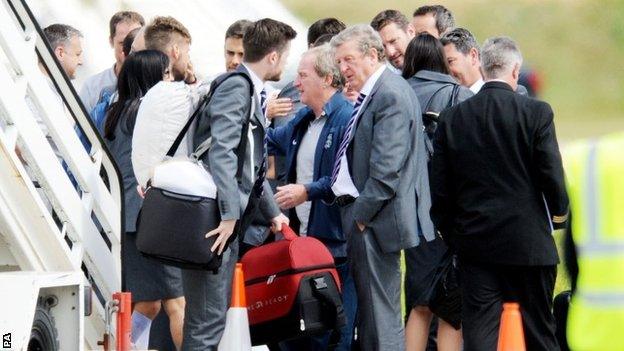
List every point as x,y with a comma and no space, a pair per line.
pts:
292,289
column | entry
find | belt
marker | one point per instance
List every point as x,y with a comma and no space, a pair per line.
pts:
344,200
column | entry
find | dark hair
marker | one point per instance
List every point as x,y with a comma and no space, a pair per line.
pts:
323,27
424,52
140,71
159,33
323,39
60,34
128,40
237,29
265,36
389,16
124,16
443,17
462,39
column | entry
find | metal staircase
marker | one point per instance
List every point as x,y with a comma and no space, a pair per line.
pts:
60,207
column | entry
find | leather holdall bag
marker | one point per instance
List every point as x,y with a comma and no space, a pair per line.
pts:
180,204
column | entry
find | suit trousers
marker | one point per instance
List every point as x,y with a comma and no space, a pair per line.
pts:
486,286
207,300
377,277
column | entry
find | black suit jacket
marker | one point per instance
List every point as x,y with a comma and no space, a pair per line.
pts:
497,178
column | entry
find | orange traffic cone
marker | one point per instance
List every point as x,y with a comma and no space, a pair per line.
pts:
236,334
511,334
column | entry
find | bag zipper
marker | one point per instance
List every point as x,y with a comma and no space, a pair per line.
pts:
270,278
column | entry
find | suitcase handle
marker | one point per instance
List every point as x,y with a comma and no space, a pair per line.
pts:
288,233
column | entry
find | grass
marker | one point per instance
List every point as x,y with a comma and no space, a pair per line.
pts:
577,45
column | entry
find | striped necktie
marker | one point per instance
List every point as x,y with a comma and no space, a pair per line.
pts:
258,187
346,139
263,102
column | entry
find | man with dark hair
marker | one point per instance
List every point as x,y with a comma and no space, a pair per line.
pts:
168,35
464,59
396,32
433,19
266,44
233,48
266,40
322,27
119,26
463,56
65,41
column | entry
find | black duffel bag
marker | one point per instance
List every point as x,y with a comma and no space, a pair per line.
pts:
172,227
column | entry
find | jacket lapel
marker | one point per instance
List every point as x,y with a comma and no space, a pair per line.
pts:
367,102
321,146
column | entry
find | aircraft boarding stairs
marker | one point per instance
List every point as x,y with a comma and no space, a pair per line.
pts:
59,234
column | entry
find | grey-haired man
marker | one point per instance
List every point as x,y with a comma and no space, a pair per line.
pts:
379,177
498,190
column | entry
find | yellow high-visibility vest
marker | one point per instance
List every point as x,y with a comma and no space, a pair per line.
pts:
595,178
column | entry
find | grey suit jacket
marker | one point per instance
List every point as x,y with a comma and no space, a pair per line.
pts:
388,165
222,119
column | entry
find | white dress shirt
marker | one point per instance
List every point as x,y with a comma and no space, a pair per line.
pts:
257,82
258,87
477,86
344,183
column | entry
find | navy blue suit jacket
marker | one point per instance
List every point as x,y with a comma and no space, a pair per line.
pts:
324,222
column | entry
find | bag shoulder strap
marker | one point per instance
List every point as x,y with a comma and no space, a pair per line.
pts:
321,289
454,95
430,101
205,100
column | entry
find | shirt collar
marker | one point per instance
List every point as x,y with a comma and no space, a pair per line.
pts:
257,82
370,82
497,80
477,86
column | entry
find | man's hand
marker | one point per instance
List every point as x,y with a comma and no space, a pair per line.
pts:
277,222
360,226
278,107
291,195
190,75
224,231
